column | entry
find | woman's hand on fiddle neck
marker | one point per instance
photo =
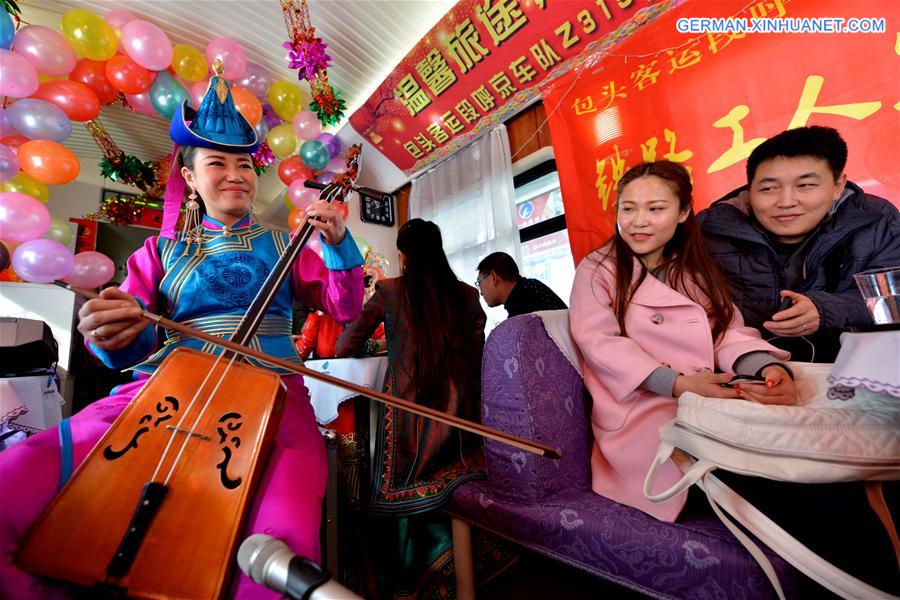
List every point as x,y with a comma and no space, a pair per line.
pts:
330,222
112,321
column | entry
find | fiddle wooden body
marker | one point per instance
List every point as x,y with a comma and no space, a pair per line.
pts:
188,548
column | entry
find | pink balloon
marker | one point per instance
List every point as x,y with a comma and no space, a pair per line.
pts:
91,270
19,78
338,164
306,125
230,53
315,244
197,92
118,19
42,261
22,218
45,49
147,45
141,103
301,196
9,163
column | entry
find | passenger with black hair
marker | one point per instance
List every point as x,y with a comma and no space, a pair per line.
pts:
500,283
790,241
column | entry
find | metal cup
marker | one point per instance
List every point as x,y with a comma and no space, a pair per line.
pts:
881,290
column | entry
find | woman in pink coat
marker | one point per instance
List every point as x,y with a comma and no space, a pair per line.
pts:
653,319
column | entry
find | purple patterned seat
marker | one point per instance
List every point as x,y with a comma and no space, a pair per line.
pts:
530,389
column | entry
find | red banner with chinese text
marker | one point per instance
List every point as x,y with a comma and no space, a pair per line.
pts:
708,99
478,66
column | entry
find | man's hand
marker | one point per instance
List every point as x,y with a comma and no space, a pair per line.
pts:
802,318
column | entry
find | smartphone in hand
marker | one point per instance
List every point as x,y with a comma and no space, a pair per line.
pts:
744,379
786,303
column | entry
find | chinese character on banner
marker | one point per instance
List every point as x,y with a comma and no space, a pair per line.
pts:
501,18
465,46
436,73
411,95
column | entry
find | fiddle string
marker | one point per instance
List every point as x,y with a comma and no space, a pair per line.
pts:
329,193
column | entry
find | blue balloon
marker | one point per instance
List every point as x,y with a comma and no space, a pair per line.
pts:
166,95
40,120
314,155
7,30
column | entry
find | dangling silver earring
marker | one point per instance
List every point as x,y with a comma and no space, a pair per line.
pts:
190,231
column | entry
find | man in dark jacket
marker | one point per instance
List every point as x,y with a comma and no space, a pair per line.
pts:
500,283
791,241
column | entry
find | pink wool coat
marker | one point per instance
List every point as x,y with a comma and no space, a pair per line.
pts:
663,327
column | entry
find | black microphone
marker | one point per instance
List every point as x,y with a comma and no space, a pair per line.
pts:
269,562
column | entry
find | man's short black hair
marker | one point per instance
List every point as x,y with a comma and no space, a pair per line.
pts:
500,263
819,142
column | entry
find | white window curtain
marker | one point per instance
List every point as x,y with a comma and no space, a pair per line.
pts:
471,198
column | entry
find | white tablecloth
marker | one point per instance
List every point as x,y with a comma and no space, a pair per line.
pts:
325,398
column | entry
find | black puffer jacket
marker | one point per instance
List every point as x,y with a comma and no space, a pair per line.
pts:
863,233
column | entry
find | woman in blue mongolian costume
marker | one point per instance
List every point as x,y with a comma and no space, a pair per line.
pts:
206,277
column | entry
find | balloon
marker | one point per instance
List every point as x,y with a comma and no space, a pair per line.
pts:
40,120
269,116
7,31
77,100
89,35
230,53
314,155
90,270
292,168
198,91
147,45
13,142
19,79
24,184
363,245
92,73
306,125
189,63
282,140
9,164
45,49
48,162
141,103
343,208
332,142
326,177
296,218
247,104
262,130
127,76
4,256
286,99
299,196
315,244
22,218
255,80
42,261
166,94
338,164
6,127
118,19
60,230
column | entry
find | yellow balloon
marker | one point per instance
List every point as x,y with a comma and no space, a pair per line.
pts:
60,230
89,34
286,98
189,63
282,140
25,184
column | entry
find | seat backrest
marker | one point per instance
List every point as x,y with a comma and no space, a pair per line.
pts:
530,389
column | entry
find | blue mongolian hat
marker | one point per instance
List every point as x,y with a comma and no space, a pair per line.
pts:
218,125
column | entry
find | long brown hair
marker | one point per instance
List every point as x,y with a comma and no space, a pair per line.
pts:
684,256
445,343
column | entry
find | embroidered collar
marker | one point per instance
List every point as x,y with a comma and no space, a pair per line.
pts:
215,226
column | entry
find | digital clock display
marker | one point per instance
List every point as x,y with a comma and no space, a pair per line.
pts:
378,209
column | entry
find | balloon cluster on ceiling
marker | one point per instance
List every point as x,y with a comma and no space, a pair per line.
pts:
49,78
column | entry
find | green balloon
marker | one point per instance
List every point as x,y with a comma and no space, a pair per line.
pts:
314,154
166,95
60,230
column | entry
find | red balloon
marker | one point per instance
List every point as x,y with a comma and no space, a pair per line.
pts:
77,100
92,73
293,168
13,141
127,76
343,209
296,218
